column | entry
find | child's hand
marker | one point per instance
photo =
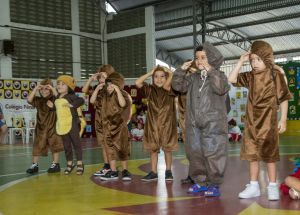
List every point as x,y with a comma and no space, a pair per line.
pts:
115,86
38,87
186,65
94,77
67,105
281,126
151,72
245,57
100,86
50,104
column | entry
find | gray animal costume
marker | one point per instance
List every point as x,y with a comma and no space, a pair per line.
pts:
206,118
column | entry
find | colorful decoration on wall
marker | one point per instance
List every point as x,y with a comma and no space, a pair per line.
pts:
16,89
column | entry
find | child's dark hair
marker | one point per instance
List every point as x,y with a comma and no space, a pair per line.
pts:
232,122
199,48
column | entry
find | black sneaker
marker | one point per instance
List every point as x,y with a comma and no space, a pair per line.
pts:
126,176
187,180
54,168
34,168
150,177
168,175
101,172
109,176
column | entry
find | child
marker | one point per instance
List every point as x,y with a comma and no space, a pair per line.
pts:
68,123
46,136
294,186
234,132
138,133
3,127
206,118
114,104
267,91
160,129
181,108
100,75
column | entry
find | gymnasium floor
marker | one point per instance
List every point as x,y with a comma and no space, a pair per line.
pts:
71,195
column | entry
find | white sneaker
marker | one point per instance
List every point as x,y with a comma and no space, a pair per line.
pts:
251,191
273,192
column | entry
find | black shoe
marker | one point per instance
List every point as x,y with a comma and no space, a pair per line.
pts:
150,177
187,180
34,168
126,176
109,176
168,175
54,168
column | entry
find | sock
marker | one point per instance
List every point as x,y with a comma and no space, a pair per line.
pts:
254,183
106,166
35,164
272,184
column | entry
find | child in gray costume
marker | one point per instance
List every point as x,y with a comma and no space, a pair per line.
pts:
206,118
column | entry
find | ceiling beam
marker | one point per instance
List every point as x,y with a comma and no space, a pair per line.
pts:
263,36
235,26
224,13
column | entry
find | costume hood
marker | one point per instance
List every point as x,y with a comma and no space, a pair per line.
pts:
264,51
214,56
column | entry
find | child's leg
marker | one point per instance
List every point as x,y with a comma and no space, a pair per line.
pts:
113,165
273,190
293,182
272,172
153,160
254,170
35,159
124,164
68,148
55,157
168,159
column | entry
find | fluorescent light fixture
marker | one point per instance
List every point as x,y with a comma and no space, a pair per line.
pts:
60,72
296,58
109,8
161,63
279,60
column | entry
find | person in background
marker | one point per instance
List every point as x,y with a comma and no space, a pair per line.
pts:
3,127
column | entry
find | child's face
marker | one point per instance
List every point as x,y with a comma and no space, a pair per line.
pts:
257,63
101,77
110,89
44,91
201,60
159,78
140,126
61,87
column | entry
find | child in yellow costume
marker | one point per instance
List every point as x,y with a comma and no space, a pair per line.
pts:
68,121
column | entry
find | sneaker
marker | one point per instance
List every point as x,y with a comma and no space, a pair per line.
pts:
34,168
212,191
150,177
126,176
273,192
196,188
251,191
54,168
101,172
168,175
111,175
187,180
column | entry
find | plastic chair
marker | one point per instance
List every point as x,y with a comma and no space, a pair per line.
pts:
12,130
30,122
